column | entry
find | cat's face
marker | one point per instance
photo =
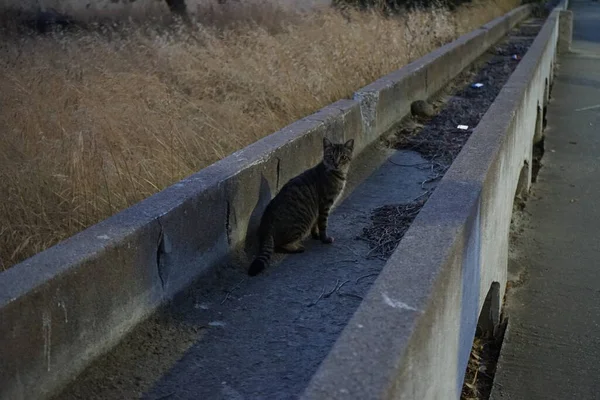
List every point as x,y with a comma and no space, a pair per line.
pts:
337,156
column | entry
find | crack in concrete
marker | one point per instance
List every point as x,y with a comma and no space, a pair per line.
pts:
228,223
278,173
160,251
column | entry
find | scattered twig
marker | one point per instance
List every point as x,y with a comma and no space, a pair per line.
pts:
230,291
389,223
226,297
431,179
360,278
409,165
351,295
336,288
350,249
337,282
425,193
320,297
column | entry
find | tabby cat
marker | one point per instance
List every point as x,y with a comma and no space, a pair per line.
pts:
302,205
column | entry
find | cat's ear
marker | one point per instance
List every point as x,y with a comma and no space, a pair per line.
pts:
349,144
326,143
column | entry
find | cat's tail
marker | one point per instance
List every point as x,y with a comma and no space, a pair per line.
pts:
264,256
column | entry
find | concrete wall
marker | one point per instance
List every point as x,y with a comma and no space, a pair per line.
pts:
411,336
63,307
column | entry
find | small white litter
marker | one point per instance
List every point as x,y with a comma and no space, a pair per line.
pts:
477,85
463,127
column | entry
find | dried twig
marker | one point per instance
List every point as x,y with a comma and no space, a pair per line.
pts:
336,288
230,291
351,295
389,223
340,287
432,179
350,249
409,165
320,297
337,282
360,278
425,193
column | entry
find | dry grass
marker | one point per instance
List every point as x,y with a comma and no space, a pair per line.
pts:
470,390
92,122
389,223
481,368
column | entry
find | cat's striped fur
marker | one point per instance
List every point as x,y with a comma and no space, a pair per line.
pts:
302,205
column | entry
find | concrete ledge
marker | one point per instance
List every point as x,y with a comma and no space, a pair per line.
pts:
411,336
566,31
388,97
65,306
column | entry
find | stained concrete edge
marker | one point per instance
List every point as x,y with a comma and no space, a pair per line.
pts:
65,306
411,336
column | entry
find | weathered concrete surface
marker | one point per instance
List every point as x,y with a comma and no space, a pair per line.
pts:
566,31
552,345
267,338
65,306
411,336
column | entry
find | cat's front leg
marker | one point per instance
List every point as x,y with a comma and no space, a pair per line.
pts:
314,231
322,225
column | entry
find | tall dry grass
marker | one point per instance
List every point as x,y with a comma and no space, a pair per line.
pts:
92,122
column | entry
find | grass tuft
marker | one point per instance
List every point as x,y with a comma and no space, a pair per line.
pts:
96,120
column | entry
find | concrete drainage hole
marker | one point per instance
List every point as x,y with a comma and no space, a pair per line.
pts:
538,154
479,375
439,129
485,351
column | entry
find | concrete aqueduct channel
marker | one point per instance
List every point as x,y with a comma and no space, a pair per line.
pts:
154,302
